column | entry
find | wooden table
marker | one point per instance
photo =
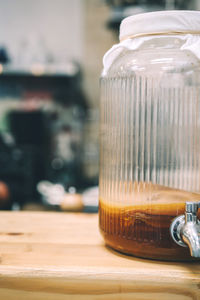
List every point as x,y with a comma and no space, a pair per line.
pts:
56,256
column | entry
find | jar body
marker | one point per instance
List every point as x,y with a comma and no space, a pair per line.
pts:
149,148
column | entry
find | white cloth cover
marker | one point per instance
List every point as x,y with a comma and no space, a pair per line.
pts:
135,30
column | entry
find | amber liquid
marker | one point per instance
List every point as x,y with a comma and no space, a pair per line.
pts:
143,228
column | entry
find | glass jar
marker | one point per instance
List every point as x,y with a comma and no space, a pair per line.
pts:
150,133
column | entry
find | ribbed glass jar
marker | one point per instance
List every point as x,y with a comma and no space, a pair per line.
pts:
149,147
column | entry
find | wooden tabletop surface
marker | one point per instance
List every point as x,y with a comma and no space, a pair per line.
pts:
55,256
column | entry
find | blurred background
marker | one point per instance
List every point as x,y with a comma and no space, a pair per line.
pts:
50,63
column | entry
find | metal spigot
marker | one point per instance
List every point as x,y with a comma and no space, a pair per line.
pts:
185,229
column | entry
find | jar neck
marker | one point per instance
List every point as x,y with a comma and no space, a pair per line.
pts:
169,33
162,42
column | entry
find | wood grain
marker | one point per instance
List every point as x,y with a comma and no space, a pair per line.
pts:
62,256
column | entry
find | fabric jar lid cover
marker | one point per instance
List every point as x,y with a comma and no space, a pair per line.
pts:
160,22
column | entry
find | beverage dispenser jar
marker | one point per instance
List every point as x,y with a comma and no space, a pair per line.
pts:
150,137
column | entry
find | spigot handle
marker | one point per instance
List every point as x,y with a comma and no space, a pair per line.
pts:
192,207
191,210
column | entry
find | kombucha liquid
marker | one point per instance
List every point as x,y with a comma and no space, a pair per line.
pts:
142,226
